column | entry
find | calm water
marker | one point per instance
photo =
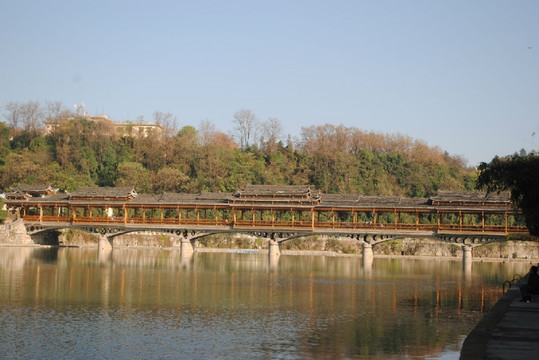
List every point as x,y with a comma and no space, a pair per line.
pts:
154,304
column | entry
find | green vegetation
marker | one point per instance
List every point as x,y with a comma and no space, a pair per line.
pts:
519,175
3,213
335,159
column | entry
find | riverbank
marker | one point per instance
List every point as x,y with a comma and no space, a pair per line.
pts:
322,245
522,251
508,331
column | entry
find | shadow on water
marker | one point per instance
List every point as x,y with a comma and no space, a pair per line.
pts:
46,255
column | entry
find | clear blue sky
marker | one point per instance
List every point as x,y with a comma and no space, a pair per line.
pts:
457,74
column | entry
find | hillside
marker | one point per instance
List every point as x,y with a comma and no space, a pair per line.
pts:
334,159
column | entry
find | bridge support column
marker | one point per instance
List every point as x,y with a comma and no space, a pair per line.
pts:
186,247
467,253
368,256
274,248
104,243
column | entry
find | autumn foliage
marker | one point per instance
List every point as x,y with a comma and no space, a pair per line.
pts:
334,159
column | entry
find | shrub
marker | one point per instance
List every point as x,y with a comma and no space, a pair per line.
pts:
3,216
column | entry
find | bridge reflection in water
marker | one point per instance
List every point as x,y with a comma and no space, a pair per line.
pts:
308,305
278,213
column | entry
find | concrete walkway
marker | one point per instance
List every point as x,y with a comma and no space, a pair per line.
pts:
510,330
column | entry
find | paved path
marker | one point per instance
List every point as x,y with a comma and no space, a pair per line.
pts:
510,330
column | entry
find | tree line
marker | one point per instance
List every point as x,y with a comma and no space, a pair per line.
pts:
335,159
519,174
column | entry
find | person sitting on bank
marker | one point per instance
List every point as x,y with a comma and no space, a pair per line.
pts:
532,287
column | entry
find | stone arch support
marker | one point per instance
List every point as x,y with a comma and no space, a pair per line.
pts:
274,248
467,252
104,243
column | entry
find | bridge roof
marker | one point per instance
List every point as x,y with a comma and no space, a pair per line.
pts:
356,200
203,198
25,191
266,197
471,197
277,191
103,193
41,188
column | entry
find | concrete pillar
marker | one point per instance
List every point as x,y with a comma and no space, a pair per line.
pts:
274,248
186,248
368,256
104,243
367,251
467,253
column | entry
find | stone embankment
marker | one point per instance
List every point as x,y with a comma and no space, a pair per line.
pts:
508,331
14,233
317,244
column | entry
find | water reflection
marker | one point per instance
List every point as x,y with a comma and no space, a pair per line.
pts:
104,255
166,304
186,258
467,265
273,261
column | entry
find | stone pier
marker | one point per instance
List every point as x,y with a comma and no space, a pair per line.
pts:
274,248
104,243
186,247
368,256
467,253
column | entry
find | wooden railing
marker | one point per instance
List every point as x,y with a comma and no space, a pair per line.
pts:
456,228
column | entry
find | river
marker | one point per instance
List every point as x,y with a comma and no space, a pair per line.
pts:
80,303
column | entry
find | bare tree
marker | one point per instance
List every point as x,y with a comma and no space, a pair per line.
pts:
55,111
53,108
33,116
28,116
206,132
167,121
246,125
13,115
272,131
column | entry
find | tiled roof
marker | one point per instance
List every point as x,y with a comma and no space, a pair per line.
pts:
328,199
277,190
103,192
370,201
32,188
471,197
17,195
52,198
182,198
269,196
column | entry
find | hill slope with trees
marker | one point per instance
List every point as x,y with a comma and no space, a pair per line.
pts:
335,159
